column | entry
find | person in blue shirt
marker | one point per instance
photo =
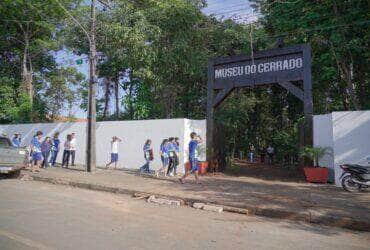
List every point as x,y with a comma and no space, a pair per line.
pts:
35,146
193,158
45,151
163,151
55,149
177,153
148,155
16,140
172,156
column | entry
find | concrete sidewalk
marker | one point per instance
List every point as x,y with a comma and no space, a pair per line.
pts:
307,202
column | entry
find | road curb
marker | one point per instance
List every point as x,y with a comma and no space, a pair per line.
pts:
301,216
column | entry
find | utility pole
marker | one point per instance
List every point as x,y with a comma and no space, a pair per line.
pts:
91,112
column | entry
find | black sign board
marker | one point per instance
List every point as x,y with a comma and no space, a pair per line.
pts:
262,70
280,66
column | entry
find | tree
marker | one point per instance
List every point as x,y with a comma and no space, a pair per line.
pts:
338,34
61,90
30,28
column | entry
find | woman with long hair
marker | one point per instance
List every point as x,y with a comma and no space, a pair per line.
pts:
163,152
45,151
148,155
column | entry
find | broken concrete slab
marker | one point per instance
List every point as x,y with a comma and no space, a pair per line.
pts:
213,208
198,205
162,201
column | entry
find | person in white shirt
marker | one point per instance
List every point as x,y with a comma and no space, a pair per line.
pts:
72,148
114,152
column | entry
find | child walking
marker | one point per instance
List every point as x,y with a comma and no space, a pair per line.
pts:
177,155
193,158
35,146
164,158
114,152
148,155
45,151
172,156
55,149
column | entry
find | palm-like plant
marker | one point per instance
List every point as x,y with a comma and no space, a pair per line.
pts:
314,153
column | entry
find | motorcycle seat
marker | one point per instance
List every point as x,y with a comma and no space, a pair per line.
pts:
358,166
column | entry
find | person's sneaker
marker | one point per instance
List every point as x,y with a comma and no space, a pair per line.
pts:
171,175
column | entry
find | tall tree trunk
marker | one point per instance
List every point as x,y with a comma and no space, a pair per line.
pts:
106,97
116,95
27,72
346,67
131,108
350,87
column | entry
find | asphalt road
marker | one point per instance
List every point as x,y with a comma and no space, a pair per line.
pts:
36,215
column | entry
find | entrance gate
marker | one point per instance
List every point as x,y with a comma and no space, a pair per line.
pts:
276,66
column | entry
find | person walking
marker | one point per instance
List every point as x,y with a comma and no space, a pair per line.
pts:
177,154
251,153
270,152
193,158
148,155
66,152
16,140
163,152
72,148
55,147
45,151
35,146
172,156
114,152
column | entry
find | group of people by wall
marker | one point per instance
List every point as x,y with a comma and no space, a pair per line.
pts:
44,152
169,153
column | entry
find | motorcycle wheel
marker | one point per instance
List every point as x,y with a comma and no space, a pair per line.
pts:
349,185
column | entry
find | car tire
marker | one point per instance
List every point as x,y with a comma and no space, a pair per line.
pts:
15,174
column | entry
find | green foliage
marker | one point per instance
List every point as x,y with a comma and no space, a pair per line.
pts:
14,110
339,35
61,88
6,99
23,112
286,143
28,37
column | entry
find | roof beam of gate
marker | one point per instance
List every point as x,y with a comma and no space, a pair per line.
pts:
297,92
222,95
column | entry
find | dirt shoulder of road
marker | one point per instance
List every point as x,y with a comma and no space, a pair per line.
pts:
314,203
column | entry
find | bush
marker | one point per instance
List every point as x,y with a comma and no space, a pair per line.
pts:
314,153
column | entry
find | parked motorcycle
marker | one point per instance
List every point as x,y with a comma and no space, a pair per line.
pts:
355,177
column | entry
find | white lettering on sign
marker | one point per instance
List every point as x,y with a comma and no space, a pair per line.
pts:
288,64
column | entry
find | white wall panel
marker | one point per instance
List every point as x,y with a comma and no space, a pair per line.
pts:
323,137
348,134
351,139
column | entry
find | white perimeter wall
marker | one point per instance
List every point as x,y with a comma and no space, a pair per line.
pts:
350,132
323,137
133,133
